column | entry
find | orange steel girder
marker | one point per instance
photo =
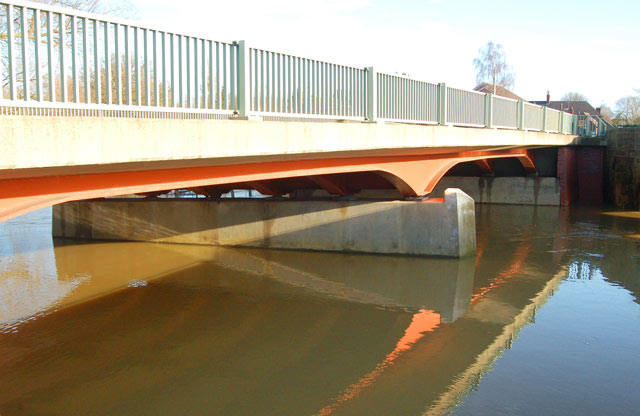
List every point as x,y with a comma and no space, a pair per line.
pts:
333,185
411,175
484,165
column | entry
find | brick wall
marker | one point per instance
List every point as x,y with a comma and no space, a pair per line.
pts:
567,175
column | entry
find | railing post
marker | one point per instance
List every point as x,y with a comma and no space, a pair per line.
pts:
372,95
244,76
544,119
520,115
488,110
13,94
600,123
586,121
561,123
442,104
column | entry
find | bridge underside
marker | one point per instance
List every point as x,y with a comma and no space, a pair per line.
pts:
413,175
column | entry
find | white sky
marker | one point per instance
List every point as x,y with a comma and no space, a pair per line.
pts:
592,47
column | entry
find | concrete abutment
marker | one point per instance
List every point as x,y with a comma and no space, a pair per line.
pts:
443,227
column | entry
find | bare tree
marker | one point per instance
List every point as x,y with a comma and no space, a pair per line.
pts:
574,96
121,8
491,66
607,113
628,110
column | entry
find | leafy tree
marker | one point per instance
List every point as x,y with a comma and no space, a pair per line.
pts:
491,66
574,96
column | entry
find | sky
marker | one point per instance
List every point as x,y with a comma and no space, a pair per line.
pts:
592,47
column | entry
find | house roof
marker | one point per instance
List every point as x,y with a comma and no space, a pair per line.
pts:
500,90
574,107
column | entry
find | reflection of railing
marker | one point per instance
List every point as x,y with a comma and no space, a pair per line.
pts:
55,58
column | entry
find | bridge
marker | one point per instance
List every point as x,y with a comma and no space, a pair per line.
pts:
93,107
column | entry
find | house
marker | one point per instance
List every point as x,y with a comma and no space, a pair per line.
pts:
572,107
500,90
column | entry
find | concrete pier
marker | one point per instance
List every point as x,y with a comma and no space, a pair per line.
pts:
444,227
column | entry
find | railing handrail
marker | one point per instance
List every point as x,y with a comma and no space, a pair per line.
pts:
470,91
291,55
505,98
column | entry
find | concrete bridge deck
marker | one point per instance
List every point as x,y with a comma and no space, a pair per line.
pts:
49,160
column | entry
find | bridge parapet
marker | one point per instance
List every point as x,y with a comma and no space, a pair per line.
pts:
63,62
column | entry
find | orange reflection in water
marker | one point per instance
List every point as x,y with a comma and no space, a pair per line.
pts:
423,321
426,321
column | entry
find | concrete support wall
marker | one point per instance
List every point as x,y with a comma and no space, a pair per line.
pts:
505,190
424,228
516,190
623,167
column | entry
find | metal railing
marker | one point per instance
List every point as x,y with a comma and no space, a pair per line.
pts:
406,100
590,126
56,61
465,108
67,58
552,121
533,117
283,84
505,113
568,122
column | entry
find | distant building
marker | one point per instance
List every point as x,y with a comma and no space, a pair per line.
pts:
572,107
501,91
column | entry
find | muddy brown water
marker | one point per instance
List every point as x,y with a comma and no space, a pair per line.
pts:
543,320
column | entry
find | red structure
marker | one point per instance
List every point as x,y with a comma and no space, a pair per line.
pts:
580,170
413,175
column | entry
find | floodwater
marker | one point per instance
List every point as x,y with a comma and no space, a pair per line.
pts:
544,320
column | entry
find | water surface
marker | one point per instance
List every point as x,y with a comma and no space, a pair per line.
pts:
544,320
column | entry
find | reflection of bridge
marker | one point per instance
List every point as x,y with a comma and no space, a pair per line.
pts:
97,107
347,328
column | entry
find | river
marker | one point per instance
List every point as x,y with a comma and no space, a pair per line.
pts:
545,319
